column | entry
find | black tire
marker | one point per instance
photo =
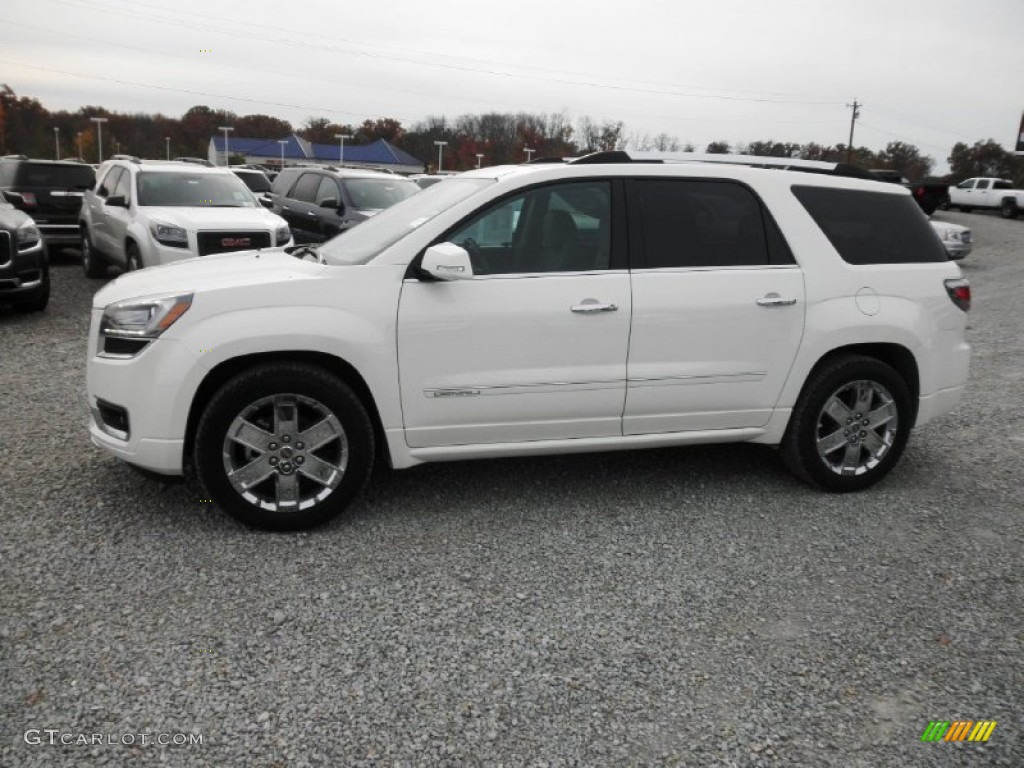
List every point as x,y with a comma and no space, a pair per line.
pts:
92,260
38,300
1008,209
873,449
966,208
133,259
263,394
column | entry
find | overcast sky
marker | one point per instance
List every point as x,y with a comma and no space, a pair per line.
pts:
928,72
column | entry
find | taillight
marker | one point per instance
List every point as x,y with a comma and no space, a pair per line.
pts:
29,198
959,290
919,191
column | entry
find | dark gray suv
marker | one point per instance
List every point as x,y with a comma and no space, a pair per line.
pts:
24,268
319,203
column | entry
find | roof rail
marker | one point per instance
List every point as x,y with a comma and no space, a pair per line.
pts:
15,157
194,161
754,161
130,158
549,159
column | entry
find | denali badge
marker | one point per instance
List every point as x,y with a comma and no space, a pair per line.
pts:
233,242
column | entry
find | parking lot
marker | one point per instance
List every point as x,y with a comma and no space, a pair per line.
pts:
672,607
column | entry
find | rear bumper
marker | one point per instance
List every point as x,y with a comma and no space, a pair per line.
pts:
60,234
938,404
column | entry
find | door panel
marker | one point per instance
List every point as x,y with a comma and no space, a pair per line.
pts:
703,353
506,359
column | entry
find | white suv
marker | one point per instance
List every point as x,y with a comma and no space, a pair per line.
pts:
596,305
143,213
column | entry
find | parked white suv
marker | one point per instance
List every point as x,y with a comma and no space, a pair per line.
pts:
144,213
595,305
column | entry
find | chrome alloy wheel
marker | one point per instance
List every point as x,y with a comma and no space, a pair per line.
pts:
285,452
856,427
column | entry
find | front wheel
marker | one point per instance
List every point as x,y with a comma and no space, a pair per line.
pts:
133,257
966,208
92,261
284,446
850,425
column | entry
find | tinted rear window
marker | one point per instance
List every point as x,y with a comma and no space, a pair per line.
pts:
255,181
50,176
872,227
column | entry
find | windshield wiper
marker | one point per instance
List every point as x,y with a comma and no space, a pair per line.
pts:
302,251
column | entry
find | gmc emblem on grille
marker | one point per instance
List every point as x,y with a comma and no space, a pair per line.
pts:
235,242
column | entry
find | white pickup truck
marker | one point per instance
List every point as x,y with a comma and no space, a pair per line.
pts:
987,193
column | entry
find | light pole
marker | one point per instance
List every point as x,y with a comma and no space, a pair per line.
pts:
440,148
529,152
479,157
99,134
341,146
227,129
167,143
117,147
56,142
78,141
283,143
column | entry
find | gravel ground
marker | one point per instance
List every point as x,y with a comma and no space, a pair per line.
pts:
675,607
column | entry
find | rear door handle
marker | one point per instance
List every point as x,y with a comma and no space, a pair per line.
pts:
774,300
592,306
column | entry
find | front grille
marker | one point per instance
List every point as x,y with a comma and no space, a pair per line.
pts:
222,242
6,247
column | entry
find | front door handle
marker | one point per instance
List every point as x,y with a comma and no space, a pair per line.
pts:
591,306
774,300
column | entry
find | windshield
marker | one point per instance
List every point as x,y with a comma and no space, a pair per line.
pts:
373,194
194,190
361,244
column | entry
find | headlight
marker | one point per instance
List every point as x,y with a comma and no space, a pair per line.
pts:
282,235
952,236
167,234
143,318
28,234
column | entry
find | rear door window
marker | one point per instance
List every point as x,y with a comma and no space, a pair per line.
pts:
694,223
983,184
872,227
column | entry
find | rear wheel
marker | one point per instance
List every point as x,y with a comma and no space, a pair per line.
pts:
92,261
1008,209
966,208
284,446
850,425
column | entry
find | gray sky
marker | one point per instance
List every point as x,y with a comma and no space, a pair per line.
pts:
929,72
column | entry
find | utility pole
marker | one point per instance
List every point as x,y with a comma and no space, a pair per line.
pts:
853,119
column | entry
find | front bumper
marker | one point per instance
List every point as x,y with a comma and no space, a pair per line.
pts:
21,272
154,389
957,251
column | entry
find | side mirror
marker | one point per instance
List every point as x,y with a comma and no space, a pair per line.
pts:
447,261
117,201
265,201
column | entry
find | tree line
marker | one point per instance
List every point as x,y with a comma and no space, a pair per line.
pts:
491,138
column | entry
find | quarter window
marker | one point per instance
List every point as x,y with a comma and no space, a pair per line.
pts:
872,227
555,228
692,223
